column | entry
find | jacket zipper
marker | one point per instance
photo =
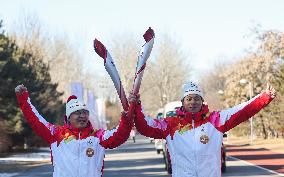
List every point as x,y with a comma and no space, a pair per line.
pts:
79,154
194,147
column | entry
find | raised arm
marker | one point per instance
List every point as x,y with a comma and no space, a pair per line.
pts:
117,136
230,118
41,127
149,127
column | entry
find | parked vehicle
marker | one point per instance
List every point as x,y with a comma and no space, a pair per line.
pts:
170,108
151,140
160,113
159,142
167,158
159,145
223,156
169,111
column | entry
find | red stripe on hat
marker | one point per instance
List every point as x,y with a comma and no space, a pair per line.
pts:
71,98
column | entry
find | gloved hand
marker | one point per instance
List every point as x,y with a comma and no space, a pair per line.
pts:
270,91
20,89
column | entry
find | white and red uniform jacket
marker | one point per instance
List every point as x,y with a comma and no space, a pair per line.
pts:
194,139
75,153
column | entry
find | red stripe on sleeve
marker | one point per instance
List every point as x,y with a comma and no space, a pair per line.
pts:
39,128
146,130
248,111
121,135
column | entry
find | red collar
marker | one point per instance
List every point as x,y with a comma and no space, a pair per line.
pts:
85,132
183,121
189,116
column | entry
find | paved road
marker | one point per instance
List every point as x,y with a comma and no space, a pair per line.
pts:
134,160
140,159
259,156
238,168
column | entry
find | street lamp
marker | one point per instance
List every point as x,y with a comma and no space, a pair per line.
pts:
244,82
220,92
164,98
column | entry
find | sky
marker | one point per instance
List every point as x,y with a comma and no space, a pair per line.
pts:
206,30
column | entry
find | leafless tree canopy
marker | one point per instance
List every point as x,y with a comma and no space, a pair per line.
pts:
166,71
265,65
213,84
64,60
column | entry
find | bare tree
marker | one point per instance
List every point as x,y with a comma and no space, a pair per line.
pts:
125,51
66,64
259,67
213,84
64,60
31,35
165,75
166,71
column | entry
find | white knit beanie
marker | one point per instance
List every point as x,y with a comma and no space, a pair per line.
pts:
74,104
191,88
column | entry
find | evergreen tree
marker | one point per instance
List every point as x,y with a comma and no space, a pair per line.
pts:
19,67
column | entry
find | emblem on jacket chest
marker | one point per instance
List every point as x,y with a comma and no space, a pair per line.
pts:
204,139
90,151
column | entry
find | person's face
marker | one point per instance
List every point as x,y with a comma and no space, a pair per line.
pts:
79,119
192,103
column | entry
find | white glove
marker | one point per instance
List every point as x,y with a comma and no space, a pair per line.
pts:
20,89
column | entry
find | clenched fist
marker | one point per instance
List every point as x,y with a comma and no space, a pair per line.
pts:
20,89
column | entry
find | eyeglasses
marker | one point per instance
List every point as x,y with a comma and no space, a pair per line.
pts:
195,98
82,111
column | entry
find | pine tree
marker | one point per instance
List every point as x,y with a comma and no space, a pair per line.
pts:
19,67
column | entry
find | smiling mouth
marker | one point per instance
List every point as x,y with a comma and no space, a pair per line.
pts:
82,121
